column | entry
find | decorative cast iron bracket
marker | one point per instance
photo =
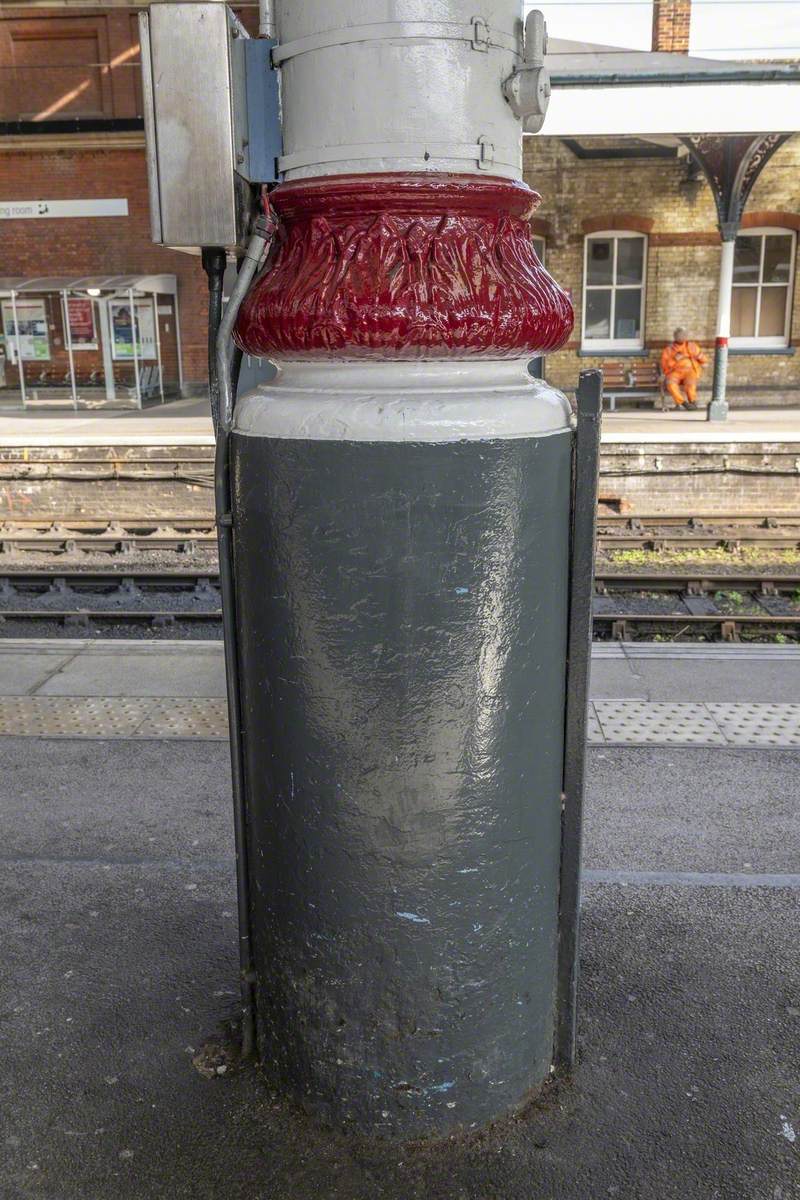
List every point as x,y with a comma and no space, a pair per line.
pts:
731,166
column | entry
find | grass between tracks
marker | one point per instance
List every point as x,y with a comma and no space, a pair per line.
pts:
785,562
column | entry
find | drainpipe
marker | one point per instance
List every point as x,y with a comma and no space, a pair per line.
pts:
718,407
266,22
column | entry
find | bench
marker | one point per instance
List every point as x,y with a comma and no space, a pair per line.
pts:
632,380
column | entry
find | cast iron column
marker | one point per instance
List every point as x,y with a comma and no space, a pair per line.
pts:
731,166
401,497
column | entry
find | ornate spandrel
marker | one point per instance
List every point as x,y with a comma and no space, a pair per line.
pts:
731,166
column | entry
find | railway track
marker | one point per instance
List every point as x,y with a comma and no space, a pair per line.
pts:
85,599
106,582
185,535
729,607
182,535
616,531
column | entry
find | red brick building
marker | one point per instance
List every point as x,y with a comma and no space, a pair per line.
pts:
71,121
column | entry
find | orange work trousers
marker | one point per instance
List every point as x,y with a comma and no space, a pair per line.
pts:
681,383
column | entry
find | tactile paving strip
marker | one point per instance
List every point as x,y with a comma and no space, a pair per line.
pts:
71,716
112,717
758,724
186,719
642,722
610,722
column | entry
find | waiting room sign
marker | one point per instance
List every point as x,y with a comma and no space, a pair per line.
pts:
25,210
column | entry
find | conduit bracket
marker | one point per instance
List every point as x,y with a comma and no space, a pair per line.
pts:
527,89
486,153
480,34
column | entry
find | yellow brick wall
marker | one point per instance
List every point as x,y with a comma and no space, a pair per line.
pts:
681,278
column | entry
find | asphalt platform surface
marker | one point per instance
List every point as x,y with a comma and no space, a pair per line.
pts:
118,935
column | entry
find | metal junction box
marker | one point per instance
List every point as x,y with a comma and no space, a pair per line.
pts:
212,122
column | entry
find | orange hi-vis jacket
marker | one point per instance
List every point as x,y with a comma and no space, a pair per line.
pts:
683,358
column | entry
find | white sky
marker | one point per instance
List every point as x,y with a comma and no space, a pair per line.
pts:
720,28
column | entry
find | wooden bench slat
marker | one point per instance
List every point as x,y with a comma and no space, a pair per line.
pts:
632,379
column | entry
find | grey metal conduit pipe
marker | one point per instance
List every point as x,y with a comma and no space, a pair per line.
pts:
263,231
266,20
262,234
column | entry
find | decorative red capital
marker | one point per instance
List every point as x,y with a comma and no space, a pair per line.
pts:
404,267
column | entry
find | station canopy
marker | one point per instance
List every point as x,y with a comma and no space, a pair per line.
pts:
609,90
100,288
20,284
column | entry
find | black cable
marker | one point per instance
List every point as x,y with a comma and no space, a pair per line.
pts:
214,261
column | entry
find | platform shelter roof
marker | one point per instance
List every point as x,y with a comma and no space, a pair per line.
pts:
610,90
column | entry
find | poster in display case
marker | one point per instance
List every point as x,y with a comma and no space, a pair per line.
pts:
82,331
32,341
122,332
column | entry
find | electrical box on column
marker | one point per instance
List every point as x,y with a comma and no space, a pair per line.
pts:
212,120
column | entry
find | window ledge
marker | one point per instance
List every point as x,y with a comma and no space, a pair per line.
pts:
783,351
584,353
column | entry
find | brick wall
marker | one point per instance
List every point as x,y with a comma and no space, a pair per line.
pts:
683,251
671,22
703,477
100,245
67,64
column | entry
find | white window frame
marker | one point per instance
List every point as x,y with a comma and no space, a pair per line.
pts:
773,342
603,344
539,243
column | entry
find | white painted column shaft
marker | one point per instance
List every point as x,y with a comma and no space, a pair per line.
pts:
725,290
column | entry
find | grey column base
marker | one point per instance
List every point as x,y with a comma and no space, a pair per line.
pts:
402,631
717,410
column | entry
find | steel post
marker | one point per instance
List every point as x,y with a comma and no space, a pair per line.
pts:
158,348
68,339
18,348
585,468
134,345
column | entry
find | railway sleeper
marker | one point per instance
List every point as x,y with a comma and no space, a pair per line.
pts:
699,605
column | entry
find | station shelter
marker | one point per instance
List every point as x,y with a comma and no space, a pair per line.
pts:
89,341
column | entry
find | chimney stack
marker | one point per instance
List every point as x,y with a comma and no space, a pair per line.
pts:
671,22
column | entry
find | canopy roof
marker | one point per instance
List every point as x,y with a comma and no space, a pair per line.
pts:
600,90
582,64
82,283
